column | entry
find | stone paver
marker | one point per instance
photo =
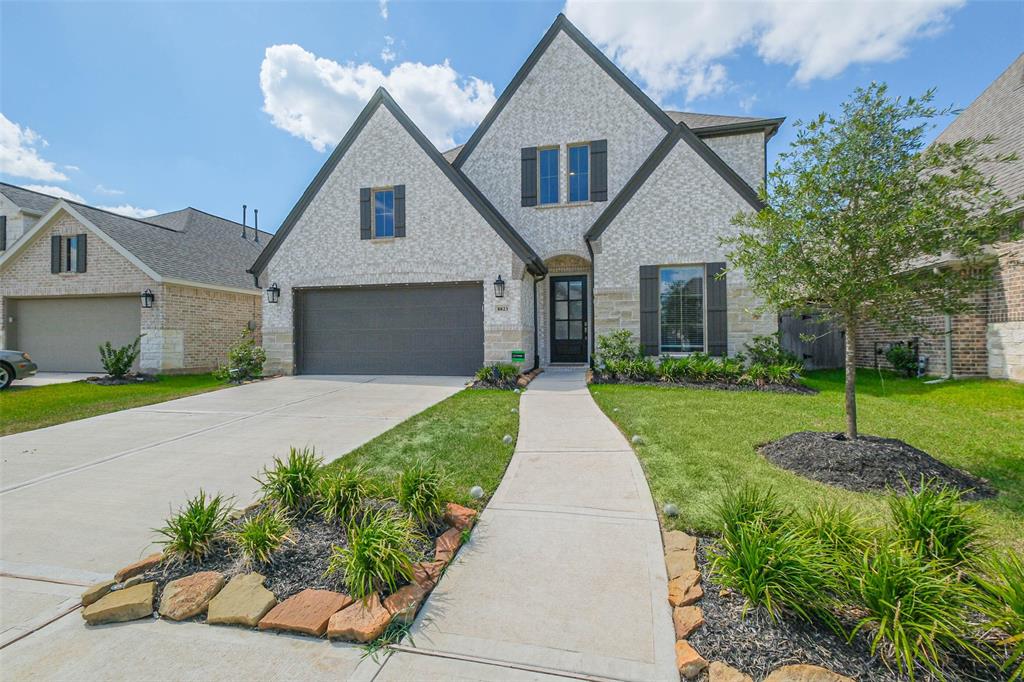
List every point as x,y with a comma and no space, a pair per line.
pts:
94,592
363,621
805,673
723,672
243,602
130,603
189,596
306,612
564,571
138,567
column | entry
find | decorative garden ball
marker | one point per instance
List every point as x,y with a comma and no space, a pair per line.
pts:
507,440
671,510
515,410
476,492
637,440
516,390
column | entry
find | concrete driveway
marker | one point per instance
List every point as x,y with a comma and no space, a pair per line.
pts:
79,500
47,378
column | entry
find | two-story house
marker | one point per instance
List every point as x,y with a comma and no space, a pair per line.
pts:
577,207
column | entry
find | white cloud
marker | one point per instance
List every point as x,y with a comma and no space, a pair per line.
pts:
55,191
130,211
681,46
109,191
19,155
383,5
387,54
71,168
317,99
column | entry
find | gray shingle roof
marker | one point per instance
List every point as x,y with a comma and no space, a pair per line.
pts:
34,202
998,111
188,244
697,121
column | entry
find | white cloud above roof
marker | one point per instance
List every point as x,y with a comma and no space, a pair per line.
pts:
130,211
317,99
19,153
682,46
55,191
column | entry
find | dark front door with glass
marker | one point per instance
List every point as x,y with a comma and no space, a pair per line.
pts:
569,319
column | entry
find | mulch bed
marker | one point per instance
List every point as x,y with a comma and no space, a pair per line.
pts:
798,389
296,566
867,464
520,382
127,379
755,644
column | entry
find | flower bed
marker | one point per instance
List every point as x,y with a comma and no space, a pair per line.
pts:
503,375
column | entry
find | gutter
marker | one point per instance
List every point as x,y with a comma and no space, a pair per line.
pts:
948,333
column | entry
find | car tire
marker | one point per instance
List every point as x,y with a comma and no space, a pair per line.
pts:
6,375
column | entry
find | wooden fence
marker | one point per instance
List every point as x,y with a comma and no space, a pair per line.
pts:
826,351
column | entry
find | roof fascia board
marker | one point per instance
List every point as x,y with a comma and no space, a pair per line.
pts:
770,126
561,23
215,287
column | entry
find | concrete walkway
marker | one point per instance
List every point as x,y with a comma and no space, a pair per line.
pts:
564,576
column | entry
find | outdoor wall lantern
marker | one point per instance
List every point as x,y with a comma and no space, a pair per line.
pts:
499,287
273,293
147,297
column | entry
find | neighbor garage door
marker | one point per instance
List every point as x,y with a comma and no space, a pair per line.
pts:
391,330
62,334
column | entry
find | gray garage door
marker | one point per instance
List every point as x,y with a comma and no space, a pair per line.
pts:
62,334
391,330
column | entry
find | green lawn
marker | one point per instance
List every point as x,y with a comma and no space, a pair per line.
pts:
700,443
462,435
23,408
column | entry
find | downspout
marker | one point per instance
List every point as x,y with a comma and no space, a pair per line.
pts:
536,334
593,270
948,333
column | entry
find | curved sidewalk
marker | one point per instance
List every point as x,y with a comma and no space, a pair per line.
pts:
564,576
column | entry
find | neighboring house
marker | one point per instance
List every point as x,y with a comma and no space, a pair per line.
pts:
74,277
989,340
578,207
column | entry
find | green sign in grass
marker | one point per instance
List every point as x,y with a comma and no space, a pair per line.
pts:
518,356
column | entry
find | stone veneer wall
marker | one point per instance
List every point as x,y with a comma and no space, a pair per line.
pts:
558,265
1005,333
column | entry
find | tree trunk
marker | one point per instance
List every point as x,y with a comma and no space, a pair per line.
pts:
851,381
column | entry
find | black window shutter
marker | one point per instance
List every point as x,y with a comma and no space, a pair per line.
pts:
55,241
82,259
649,331
364,212
718,332
529,176
399,210
599,170
3,233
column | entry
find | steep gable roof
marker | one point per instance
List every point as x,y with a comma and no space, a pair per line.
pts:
381,98
714,125
28,200
562,24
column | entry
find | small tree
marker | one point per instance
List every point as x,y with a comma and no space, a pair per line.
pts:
859,211
118,361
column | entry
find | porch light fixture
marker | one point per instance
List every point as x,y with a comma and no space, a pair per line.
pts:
273,293
147,297
499,287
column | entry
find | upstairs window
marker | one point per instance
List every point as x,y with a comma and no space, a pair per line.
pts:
383,213
71,254
681,309
548,175
579,172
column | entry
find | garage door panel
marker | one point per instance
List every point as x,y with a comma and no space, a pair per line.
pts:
392,330
63,334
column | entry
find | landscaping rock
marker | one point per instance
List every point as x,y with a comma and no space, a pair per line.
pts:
120,606
685,589
131,582
188,597
306,612
447,545
722,672
687,619
363,621
94,593
426,574
458,516
139,567
403,604
679,561
805,673
688,661
676,540
243,602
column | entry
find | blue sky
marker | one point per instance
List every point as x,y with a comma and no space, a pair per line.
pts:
155,106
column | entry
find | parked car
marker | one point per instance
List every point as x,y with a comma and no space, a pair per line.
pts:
15,365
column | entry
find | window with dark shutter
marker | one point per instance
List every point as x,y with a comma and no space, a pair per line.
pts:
649,309
3,233
365,195
529,176
399,210
599,170
718,332
82,260
55,242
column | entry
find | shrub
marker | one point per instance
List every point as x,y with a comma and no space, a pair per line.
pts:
262,534
378,555
117,362
420,492
1001,586
913,607
245,360
934,523
617,346
762,375
839,531
292,483
749,505
189,533
637,369
499,375
902,358
767,350
340,495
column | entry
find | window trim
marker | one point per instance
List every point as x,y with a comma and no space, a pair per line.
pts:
69,258
704,308
568,173
558,175
373,212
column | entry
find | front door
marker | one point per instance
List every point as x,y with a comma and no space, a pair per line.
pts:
569,319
